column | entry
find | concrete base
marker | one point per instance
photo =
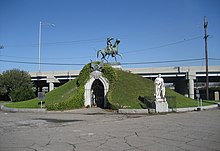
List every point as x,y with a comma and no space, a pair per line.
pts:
133,111
160,106
216,94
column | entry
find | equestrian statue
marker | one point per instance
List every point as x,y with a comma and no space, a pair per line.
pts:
110,50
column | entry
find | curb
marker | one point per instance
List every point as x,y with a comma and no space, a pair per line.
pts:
120,111
26,110
189,109
178,110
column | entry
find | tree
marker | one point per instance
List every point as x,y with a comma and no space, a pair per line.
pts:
17,85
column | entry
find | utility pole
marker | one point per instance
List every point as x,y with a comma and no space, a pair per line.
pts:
206,58
1,47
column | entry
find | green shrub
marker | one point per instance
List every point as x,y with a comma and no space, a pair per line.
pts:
110,74
84,75
17,85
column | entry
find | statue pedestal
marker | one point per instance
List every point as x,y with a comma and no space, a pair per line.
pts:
161,105
116,65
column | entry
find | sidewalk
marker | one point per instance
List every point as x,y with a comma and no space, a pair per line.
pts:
76,111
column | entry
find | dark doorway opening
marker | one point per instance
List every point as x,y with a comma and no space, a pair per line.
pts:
97,94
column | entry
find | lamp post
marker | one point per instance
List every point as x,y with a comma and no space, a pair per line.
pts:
39,46
39,43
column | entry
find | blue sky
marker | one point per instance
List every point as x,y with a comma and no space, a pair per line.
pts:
149,30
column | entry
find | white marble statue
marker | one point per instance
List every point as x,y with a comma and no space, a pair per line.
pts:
159,88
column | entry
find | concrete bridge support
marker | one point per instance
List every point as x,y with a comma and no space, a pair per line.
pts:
191,76
51,80
51,86
191,88
185,86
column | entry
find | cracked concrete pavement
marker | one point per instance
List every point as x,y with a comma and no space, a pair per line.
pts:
109,131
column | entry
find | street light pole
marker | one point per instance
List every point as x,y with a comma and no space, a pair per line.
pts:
39,44
39,47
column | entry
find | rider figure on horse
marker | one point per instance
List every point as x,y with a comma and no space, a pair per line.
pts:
109,44
110,50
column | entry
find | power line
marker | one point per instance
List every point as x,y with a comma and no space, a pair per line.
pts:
79,57
214,59
59,43
81,64
144,49
75,42
34,63
164,45
166,61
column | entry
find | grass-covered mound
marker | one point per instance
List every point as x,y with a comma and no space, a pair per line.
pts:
70,95
127,90
54,97
134,91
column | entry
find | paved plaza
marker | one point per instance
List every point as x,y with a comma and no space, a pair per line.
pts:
88,130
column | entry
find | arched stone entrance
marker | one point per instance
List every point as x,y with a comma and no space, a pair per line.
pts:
97,94
96,90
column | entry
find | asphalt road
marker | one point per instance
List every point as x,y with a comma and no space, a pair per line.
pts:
94,131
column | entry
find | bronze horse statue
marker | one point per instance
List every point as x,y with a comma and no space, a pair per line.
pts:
113,51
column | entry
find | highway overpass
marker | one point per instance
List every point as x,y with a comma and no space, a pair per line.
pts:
184,80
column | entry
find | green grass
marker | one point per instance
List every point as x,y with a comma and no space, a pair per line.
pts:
209,102
130,90
126,91
24,104
59,94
